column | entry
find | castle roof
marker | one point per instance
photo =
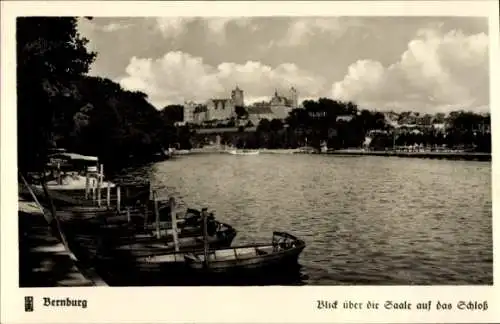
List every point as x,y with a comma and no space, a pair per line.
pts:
259,110
281,99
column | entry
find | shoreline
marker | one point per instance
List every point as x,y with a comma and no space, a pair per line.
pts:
474,156
467,156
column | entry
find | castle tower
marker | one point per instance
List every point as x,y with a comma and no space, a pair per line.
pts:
237,97
293,97
189,111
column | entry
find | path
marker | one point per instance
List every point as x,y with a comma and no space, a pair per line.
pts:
43,260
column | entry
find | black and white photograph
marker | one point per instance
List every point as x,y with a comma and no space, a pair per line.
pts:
160,151
274,162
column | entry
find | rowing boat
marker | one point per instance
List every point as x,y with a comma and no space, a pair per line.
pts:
283,251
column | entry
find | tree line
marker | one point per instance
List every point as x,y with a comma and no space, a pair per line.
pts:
60,105
342,125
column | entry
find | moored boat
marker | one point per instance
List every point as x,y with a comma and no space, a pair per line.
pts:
221,235
283,251
153,246
243,152
71,171
93,219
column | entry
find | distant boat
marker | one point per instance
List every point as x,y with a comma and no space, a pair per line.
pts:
182,152
243,152
306,150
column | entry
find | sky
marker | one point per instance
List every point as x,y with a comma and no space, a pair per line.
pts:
424,64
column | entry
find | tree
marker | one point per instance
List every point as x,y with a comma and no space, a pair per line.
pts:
276,125
51,55
173,113
240,111
264,125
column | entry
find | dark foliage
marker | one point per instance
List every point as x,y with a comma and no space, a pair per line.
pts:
59,105
51,55
173,113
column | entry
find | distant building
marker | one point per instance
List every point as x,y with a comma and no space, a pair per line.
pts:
220,109
344,118
214,108
283,105
439,126
391,118
238,97
260,111
192,111
224,108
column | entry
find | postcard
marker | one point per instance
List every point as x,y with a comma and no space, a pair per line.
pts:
241,162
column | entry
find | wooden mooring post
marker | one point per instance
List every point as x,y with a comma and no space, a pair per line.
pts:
93,190
99,183
146,214
59,178
87,185
118,197
204,214
157,215
108,195
173,214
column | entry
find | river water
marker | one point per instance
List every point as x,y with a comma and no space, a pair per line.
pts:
365,220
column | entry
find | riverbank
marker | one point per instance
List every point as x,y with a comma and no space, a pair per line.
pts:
212,150
471,156
474,156
44,261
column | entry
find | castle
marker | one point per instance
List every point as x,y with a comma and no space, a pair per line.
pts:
224,109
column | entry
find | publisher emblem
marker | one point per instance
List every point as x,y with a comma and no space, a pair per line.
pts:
28,303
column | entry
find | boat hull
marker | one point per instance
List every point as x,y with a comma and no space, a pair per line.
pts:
282,253
243,265
236,152
89,247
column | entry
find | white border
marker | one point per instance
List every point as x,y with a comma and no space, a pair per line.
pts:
251,304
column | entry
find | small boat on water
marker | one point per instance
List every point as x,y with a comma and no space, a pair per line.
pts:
182,152
240,264
94,218
146,245
128,239
243,152
283,251
219,233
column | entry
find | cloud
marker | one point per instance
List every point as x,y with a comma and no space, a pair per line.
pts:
300,30
216,27
88,26
437,72
115,26
178,76
173,27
